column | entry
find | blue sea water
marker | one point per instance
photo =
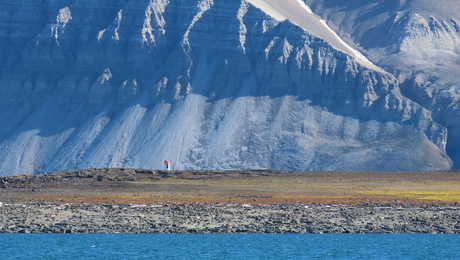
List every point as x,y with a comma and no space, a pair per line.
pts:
231,246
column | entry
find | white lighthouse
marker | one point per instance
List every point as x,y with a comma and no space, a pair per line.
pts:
168,165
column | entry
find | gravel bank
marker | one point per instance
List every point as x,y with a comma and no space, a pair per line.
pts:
227,218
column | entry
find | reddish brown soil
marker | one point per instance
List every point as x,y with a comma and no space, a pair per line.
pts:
256,187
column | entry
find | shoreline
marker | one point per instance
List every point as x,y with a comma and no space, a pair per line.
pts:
227,218
147,201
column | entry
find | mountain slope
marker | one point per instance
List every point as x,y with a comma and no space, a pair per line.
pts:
300,14
207,84
418,41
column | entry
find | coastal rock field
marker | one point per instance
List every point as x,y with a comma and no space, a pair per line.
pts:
227,218
148,201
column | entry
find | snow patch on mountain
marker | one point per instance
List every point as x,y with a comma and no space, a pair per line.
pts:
154,16
63,18
300,14
243,30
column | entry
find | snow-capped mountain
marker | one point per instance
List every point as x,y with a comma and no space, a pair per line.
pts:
207,84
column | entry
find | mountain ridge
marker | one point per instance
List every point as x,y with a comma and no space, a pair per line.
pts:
420,49
207,84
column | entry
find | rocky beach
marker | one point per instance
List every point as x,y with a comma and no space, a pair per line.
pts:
227,218
146,201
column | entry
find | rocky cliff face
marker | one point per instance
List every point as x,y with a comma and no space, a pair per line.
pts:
421,47
207,84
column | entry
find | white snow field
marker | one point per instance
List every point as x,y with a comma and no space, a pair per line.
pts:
300,14
208,84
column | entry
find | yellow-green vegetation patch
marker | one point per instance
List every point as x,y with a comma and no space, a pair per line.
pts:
304,196
447,196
